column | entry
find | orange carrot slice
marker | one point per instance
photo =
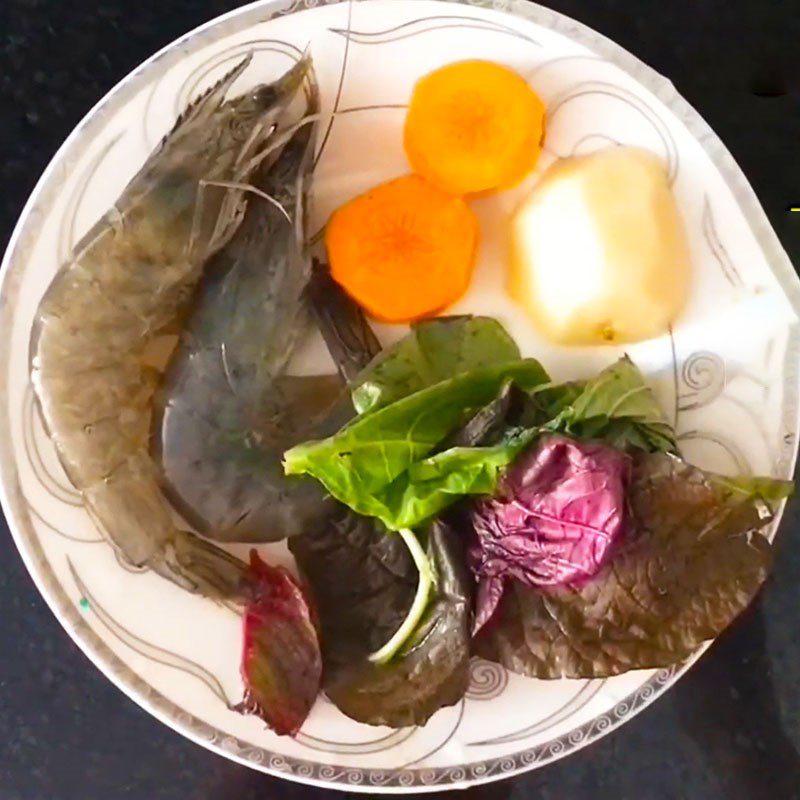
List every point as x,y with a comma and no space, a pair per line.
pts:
473,126
404,250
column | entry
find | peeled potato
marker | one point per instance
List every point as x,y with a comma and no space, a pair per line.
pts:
599,252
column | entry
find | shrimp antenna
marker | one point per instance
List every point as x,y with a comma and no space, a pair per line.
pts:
246,187
287,134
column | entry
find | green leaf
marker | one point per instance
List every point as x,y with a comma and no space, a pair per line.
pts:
463,468
365,465
364,581
433,351
692,559
616,406
548,401
470,463
432,484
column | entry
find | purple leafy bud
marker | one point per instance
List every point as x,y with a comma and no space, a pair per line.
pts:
558,511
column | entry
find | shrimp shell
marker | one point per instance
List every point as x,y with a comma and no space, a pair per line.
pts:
224,412
130,280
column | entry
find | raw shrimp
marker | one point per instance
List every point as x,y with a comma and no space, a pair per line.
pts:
225,412
221,415
128,282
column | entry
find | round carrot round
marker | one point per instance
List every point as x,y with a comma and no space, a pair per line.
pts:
473,126
404,250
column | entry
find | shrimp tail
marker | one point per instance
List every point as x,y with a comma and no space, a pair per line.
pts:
198,566
341,321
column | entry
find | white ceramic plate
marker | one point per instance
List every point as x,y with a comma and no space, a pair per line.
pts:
728,375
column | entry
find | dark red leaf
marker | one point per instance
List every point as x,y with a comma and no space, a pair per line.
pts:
281,660
692,558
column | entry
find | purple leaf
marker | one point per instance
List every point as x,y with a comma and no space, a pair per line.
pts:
559,511
281,661
487,599
693,556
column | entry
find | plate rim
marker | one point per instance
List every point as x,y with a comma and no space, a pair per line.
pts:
403,780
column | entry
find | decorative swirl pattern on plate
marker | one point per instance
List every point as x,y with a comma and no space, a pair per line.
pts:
67,235
377,745
430,24
327,772
587,692
757,421
62,533
560,60
704,375
741,465
339,86
53,484
144,648
718,250
629,99
440,745
404,778
487,680
621,710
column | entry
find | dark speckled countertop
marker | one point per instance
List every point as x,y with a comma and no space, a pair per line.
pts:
730,729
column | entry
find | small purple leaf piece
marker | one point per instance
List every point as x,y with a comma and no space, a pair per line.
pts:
281,660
